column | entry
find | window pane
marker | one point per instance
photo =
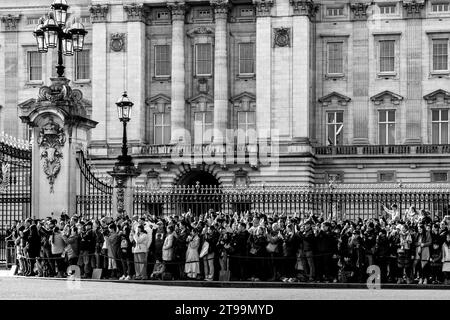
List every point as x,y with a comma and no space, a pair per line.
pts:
440,55
382,116
387,57
158,135
331,134
162,60
166,135
391,133
330,117
435,115
208,117
167,119
391,116
339,117
34,65
339,134
246,58
382,134
444,115
444,133
335,61
435,133
251,117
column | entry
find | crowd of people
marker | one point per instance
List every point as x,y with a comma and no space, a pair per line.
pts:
249,246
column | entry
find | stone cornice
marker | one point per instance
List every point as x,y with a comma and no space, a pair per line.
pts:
10,22
359,10
221,8
304,7
99,12
381,97
413,7
263,7
136,12
178,10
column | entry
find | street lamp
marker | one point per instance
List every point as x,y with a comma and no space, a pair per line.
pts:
124,106
52,33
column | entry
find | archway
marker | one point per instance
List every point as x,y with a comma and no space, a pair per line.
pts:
194,177
203,193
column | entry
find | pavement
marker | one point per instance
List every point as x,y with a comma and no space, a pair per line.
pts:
21,288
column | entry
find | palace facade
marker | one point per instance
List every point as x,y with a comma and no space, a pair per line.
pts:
240,92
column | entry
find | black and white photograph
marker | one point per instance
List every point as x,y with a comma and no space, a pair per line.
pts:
224,156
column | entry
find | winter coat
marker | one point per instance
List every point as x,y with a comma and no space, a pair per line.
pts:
423,252
326,243
57,243
34,244
87,241
113,245
141,241
309,240
72,245
168,247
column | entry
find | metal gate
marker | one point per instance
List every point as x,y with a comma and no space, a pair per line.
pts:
94,198
15,186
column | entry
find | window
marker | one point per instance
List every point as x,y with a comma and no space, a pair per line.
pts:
387,56
440,7
247,12
85,19
34,66
203,59
247,126
33,21
162,61
333,12
246,58
386,126
203,14
82,63
440,55
335,60
203,124
439,176
161,131
390,9
162,15
439,126
386,176
335,126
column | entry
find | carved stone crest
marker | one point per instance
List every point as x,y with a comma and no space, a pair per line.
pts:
281,37
117,42
51,139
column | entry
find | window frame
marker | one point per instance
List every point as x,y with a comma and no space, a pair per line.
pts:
196,46
380,56
381,172
334,8
169,61
441,3
248,125
440,122
334,74
29,73
334,124
75,59
432,175
432,56
386,124
388,5
162,126
253,59
205,127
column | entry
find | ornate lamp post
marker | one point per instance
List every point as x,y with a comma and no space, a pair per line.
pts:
124,168
51,32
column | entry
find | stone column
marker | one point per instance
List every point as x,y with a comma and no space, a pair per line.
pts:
99,15
303,11
220,70
263,68
60,129
11,62
136,71
414,13
177,113
360,102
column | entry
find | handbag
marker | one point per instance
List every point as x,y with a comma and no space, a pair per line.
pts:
272,248
205,249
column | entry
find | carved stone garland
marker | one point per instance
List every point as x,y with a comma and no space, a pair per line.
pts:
51,139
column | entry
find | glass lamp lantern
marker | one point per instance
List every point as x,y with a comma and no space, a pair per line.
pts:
59,8
124,106
50,31
78,33
40,37
67,43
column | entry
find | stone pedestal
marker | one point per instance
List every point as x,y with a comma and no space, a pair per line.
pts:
123,191
60,129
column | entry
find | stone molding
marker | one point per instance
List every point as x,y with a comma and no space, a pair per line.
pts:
99,12
413,7
380,97
136,12
281,37
263,7
339,98
178,10
304,8
437,96
11,22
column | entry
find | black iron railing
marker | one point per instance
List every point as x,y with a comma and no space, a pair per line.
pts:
94,198
338,201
